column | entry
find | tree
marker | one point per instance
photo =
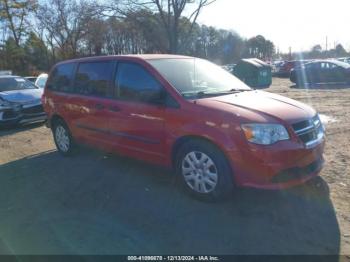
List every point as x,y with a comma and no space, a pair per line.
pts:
259,47
169,16
14,14
36,54
95,37
65,23
340,50
316,49
13,56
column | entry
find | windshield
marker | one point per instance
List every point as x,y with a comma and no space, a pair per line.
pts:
15,83
194,76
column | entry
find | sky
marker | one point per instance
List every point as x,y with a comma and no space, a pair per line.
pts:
299,24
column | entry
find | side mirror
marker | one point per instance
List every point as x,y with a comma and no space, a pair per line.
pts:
160,98
157,97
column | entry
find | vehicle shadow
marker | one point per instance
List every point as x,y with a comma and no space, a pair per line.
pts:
95,203
323,86
10,130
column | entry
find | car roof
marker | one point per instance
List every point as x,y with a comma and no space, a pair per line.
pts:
132,57
333,61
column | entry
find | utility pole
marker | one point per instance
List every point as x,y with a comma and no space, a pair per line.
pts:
290,53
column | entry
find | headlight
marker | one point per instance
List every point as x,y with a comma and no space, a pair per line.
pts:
4,104
265,134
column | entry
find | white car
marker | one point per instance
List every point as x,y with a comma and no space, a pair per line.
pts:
41,80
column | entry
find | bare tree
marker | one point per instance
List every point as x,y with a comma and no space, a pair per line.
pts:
14,14
170,13
65,23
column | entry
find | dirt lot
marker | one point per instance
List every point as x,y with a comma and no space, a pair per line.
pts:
96,203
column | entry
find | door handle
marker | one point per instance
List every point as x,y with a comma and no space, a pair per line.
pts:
99,106
114,109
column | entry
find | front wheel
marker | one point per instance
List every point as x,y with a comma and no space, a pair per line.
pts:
63,138
204,170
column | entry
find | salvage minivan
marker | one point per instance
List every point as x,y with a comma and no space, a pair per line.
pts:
188,114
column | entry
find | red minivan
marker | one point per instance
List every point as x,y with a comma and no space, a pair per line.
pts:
185,113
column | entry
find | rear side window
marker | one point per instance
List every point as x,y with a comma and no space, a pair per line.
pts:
134,83
94,78
61,78
324,65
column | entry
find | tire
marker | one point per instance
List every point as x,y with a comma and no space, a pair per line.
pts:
63,138
211,177
293,78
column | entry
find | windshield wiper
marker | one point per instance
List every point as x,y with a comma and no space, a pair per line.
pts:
215,93
206,93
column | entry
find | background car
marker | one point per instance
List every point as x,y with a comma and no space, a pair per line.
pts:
323,71
229,67
344,59
5,72
41,80
285,69
276,65
20,101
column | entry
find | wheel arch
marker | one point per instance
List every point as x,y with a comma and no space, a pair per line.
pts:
54,118
186,138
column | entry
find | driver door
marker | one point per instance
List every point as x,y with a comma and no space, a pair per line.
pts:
137,116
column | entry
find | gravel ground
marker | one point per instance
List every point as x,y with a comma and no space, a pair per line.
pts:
97,203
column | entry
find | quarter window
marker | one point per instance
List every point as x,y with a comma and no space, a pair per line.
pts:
61,78
134,83
93,78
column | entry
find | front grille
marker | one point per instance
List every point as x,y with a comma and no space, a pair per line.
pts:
33,110
309,131
9,114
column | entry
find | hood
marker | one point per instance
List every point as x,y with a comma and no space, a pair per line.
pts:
22,96
261,106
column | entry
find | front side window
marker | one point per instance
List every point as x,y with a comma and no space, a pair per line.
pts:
93,78
61,78
134,83
194,77
311,65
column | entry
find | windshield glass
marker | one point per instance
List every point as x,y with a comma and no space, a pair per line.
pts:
194,76
15,83
342,64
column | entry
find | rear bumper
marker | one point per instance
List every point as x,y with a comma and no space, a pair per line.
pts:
281,166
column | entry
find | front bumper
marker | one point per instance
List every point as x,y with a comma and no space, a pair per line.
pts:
25,115
279,166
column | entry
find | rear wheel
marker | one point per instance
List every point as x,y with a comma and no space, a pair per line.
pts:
63,138
204,171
